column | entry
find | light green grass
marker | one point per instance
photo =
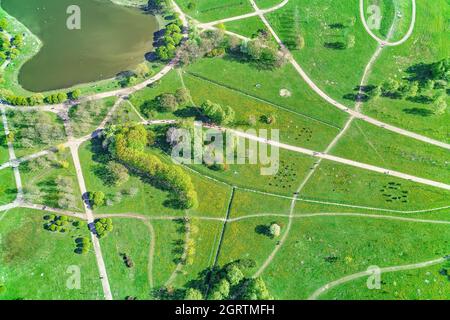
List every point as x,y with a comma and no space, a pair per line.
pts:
427,44
335,71
420,284
247,27
34,262
211,10
130,237
369,144
44,180
4,154
348,185
293,128
300,266
266,85
8,190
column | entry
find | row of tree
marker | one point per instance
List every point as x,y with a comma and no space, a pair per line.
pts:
127,144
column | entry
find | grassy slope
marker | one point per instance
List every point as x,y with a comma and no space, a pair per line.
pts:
427,44
369,144
8,188
300,266
335,71
420,284
211,10
130,237
34,262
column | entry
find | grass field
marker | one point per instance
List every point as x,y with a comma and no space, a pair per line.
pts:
267,85
421,284
30,130
131,238
348,185
324,25
8,188
37,264
248,27
44,180
4,154
321,250
292,170
427,44
211,10
213,197
369,144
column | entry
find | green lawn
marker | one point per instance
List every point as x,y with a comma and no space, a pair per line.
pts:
267,85
334,182
132,238
213,197
211,10
247,27
293,128
8,190
247,203
323,24
321,250
37,264
44,180
369,144
4,154
292,170
245,240
427,44
420,284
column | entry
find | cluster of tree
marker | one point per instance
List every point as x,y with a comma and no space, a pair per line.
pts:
127,144
427,84
157,6
167,102
83,245
31,129
86,115
228,283
103,227
118,173
57,223
130,78
9,46
65,192
173,35
273,230
208,43
36,99
262,52
97,198
217,113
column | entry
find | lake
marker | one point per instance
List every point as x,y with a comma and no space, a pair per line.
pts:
111,39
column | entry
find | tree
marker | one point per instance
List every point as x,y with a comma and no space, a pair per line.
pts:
118,173
440,103
142,70
413,89
75,94
275,230
234,274
391,86
183,96
351,40
193,294
256,290
97,198
3,24
168,102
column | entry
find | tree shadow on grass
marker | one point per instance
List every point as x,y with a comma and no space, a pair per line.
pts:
419,112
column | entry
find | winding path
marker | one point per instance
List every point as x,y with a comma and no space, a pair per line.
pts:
387,42
366,273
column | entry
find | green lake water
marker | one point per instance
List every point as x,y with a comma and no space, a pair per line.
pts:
112,39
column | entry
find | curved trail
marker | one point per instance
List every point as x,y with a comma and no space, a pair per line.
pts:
244,16
387,42
362,274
